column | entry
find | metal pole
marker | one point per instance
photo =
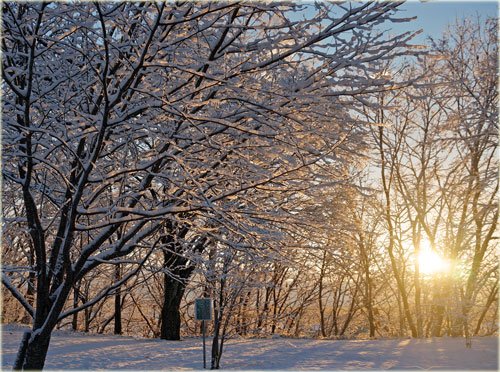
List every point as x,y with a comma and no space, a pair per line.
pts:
204,354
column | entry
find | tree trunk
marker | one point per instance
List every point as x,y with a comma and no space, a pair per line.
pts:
118,305
32,352
438,309
176,276
215,360
438,321
86,321
418,291
401,317
491,299
371,321
241,325
352,311
275,310
368,285
320,297
30,291
74,321
262,317
170,313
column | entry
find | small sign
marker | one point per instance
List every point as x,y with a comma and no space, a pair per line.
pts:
203,309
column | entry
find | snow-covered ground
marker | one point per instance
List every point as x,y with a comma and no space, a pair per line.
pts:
81,351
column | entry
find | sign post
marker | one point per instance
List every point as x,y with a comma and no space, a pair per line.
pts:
204,352
203,311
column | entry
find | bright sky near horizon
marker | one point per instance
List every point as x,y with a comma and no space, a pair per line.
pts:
434,16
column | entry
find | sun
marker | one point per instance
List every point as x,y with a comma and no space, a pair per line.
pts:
429,261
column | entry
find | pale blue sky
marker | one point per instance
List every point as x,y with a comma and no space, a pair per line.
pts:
433,16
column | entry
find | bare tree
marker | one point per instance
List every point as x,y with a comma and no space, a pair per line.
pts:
436,146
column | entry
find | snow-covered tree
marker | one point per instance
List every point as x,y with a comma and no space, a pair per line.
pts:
121,119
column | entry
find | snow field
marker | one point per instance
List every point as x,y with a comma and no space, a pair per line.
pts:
80,351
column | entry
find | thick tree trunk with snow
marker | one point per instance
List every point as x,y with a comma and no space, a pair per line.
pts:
170,313
177,272
36,353
32,352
